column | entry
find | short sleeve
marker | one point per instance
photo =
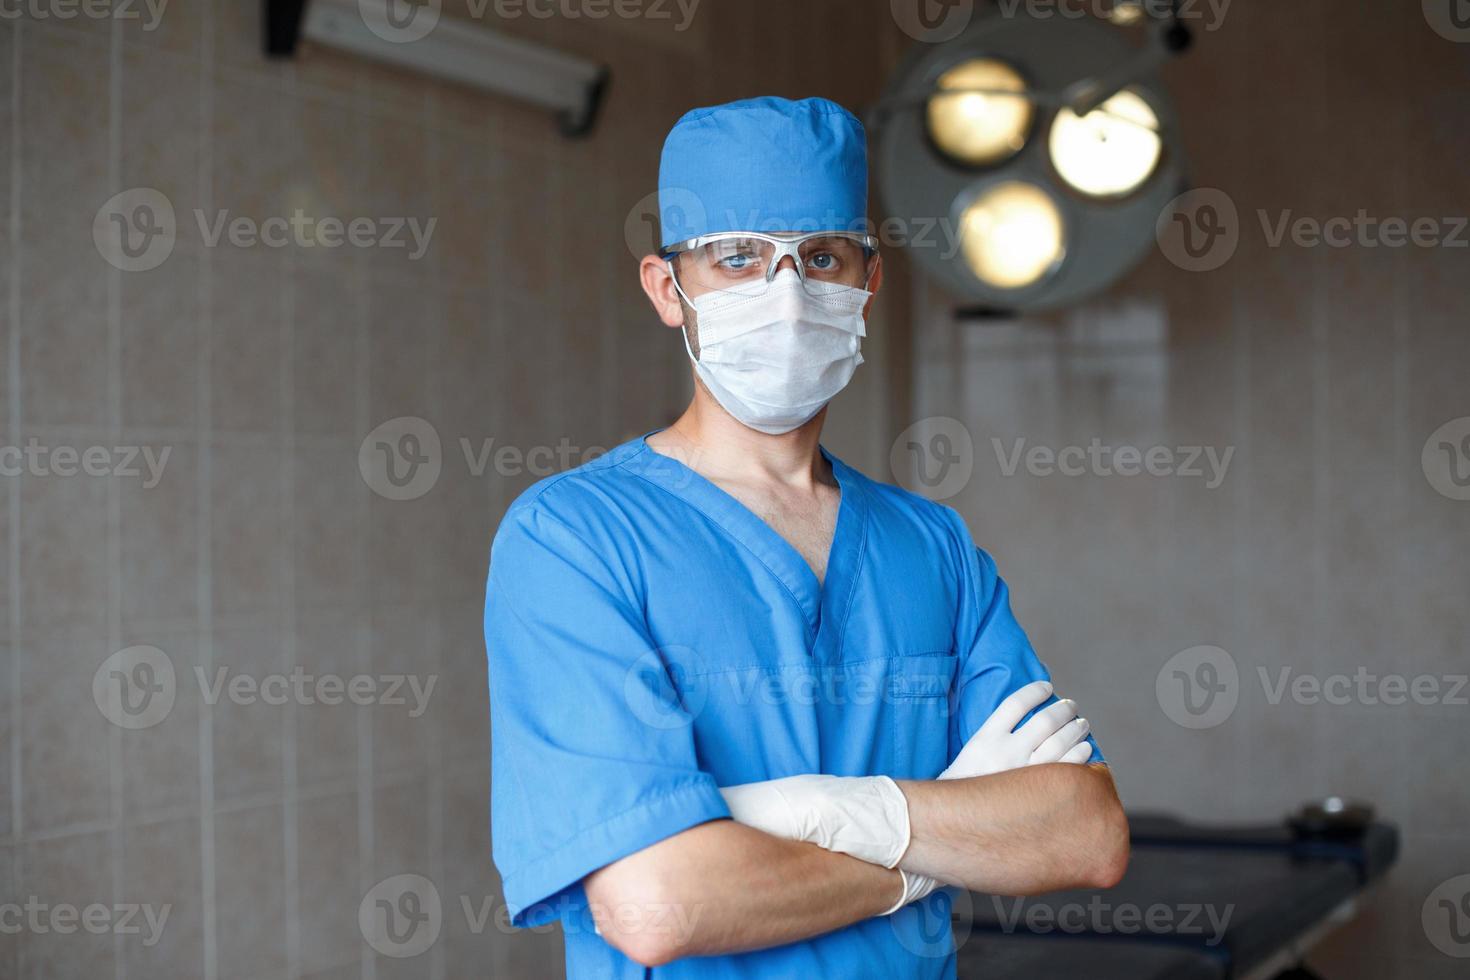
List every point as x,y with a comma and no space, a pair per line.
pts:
995,656
592,754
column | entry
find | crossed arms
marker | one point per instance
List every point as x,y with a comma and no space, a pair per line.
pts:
1013,815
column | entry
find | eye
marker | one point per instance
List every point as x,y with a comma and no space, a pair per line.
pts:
823,262
738,257
738,262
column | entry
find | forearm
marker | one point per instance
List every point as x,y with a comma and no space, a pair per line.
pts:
1018,832
723,887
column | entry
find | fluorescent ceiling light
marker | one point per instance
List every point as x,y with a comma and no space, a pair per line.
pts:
416,37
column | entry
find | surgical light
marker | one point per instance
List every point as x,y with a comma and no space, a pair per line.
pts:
1043,147
1110,151
1011,235
974,117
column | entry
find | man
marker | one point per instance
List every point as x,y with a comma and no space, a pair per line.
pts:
722,619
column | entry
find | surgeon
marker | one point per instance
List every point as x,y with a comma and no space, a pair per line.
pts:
752,710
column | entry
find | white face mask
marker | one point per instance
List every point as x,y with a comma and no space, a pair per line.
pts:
773,360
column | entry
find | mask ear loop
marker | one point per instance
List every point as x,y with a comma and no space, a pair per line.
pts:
689,304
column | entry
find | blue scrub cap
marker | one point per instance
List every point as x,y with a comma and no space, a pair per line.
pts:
765,164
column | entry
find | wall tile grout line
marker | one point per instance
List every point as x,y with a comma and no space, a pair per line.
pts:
1321,339
435,627
203,490
289,267
362,633
116,749
13,383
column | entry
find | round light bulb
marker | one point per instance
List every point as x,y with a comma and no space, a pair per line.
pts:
1012,235
1110,151
980,128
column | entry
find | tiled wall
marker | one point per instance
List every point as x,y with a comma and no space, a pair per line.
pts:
1325,550
262,548
261,370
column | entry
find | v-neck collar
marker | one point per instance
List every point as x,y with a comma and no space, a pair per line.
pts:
824,605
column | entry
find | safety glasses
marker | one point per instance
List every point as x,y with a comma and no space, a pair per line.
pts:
747,262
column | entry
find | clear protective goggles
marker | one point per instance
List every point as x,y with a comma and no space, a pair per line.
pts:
747,262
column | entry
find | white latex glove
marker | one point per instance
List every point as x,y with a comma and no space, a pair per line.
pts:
868,817
1053,734
864,816
915,887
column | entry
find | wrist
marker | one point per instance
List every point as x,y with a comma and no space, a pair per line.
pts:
891,898
915,887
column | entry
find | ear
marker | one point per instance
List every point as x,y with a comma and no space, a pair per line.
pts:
658,285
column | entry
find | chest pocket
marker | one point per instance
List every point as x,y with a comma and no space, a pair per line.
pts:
918,693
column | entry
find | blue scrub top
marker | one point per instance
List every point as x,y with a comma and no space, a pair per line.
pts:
651,639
